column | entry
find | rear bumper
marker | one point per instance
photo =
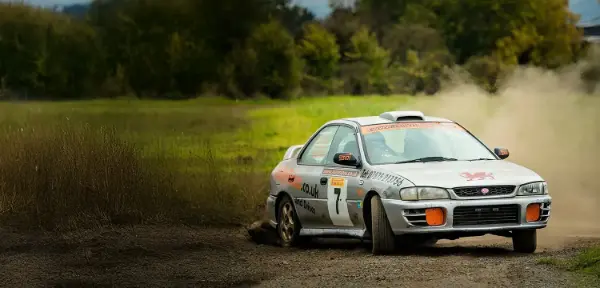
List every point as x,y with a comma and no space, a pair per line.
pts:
408,217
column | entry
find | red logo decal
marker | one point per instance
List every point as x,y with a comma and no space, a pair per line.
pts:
477,176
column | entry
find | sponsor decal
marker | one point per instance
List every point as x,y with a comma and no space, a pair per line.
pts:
312,191
337,182
304,204
477,176
339,172
360,192
399,126
381,176
286,174
344,157
359,204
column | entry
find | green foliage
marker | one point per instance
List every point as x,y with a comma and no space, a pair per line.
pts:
267,63
486,71
321,54
539,32
418,57
185,48
366,51
46,55
320,51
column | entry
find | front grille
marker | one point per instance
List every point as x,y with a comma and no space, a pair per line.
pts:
477,191
486,215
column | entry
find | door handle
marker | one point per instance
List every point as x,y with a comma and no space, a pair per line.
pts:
324,181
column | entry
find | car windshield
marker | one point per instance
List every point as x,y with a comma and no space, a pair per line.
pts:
421,142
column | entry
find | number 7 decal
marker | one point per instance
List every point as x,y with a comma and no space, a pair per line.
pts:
337,192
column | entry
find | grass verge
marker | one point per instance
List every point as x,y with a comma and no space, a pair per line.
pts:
586,263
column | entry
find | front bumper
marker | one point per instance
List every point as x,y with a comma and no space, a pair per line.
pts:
271,210
483,215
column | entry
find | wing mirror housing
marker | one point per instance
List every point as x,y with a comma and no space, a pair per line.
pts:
501,152
346,159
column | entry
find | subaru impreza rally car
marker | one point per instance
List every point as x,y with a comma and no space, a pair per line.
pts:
403,175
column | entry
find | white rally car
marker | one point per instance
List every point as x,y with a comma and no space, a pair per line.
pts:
403,175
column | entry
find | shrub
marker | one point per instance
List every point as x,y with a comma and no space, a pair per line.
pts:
268,63
487,72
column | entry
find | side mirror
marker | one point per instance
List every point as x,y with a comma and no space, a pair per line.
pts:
346,159
501,152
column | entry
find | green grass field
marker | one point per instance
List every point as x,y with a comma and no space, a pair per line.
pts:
586,265
200,161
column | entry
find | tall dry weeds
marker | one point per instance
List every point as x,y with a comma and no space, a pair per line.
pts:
63,176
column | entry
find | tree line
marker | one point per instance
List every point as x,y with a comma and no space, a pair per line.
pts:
183,48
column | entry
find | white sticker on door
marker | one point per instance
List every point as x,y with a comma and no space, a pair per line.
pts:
337,193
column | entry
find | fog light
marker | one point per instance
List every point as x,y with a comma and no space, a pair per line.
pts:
533,212
435,216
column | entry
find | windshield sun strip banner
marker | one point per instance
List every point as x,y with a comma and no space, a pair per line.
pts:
413,125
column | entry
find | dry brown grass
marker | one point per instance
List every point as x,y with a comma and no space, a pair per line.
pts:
63,176
68,176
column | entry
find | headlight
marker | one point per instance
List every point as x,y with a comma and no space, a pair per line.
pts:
423,193
537,188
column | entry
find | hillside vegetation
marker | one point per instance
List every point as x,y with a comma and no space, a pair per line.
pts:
183,48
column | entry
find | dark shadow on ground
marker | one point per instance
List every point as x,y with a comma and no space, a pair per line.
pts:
432,251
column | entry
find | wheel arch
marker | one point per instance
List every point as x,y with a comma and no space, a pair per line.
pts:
367,209
279,197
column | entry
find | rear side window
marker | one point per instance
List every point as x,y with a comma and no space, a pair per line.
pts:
317,149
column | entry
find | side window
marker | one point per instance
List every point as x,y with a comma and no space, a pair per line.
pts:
316,151
344,141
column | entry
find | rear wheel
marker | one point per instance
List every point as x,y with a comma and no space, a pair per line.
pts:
383,236
288,224
524,241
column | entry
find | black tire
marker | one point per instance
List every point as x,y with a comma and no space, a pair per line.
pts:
382,234
524,241
291,237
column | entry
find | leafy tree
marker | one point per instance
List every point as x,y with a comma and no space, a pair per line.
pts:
343,23
320,51
267,63
365,50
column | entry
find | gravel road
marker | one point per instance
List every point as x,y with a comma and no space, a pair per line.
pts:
150,256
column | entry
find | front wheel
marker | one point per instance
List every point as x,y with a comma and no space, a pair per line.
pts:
288,225
524,241
383,236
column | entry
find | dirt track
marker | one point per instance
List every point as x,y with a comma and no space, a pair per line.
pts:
167,256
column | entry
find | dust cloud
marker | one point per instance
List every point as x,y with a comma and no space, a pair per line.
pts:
550,126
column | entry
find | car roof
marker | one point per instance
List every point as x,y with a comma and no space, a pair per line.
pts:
391,117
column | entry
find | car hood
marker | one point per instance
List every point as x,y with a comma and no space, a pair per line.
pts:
464,173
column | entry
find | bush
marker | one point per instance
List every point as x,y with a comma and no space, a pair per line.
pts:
487,72
320,51
268,63
367,71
